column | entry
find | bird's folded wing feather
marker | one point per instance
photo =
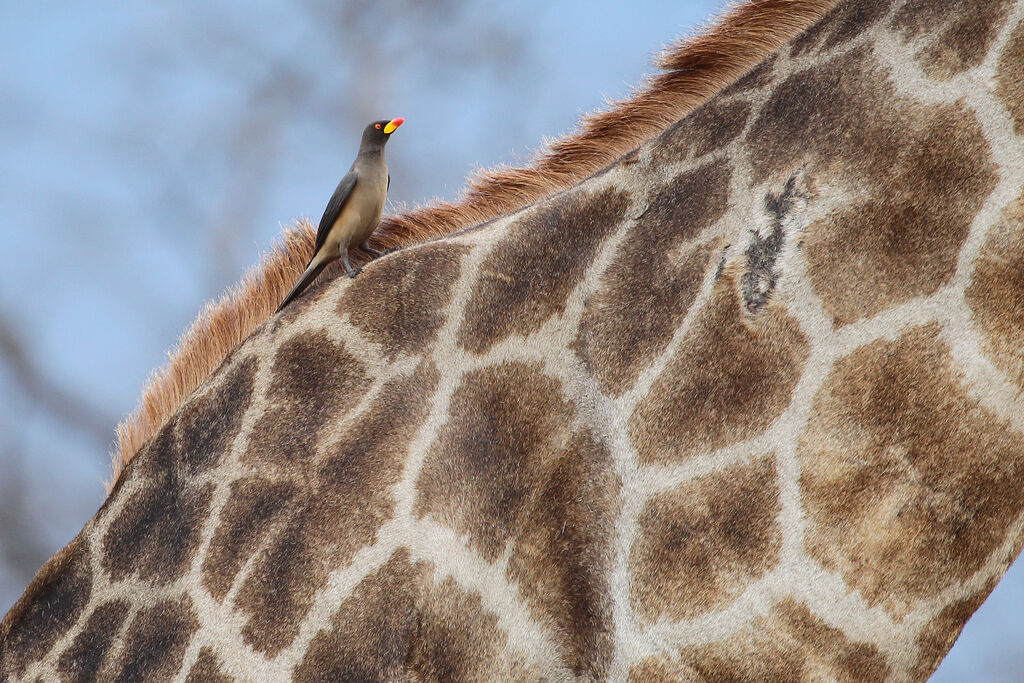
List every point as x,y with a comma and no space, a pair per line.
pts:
334,207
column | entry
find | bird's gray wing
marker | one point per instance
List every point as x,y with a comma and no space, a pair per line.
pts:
334,207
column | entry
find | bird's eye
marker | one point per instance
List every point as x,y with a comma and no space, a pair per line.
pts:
377,126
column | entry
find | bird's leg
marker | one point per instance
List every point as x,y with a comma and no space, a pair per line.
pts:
377,252
352,272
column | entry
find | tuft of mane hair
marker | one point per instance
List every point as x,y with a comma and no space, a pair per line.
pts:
693,70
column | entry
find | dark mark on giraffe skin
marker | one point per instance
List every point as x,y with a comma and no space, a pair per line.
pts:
917,174
761,275
721,262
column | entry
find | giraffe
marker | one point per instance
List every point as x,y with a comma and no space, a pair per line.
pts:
744,404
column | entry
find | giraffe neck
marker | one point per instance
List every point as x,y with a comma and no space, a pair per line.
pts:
744,403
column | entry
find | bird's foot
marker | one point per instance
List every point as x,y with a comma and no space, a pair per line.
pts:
354,271
376,252
390,250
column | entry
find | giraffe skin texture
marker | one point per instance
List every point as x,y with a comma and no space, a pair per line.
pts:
743,405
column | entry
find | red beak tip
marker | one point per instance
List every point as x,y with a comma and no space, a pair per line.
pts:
399,121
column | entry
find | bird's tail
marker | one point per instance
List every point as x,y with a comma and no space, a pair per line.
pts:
312,270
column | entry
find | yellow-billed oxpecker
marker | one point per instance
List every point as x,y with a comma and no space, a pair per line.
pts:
354,210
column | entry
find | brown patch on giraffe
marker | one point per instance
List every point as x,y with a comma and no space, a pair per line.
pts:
755,79
249,515
371,634
201,433
632,318
314,380
661,670
206,427
400,303
399,624
654,278
280,590
195,439
788,644
846,21
939,634
905,246
911,206
51,604
708,129
493,453
729,379
957,34
161,524
528,276
563,553
207,669
908,484
685,207
156,641
808,115
458,640
84,658
1010,78
995,288
703,543
189,444
339,514
695,69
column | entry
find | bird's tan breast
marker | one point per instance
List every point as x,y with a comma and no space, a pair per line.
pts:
361,213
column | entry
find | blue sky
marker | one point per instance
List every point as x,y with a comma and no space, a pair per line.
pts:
149,152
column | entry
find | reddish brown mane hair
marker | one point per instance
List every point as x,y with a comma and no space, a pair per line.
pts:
693,70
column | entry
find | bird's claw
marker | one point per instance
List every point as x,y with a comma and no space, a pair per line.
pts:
354,272
390,250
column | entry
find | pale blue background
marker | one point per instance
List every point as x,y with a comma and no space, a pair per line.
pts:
148,152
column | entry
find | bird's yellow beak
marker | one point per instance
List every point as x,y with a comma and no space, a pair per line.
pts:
393,125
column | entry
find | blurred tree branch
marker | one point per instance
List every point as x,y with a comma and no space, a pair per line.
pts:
21,547
49,395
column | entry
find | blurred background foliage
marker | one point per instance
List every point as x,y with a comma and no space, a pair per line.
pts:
149,152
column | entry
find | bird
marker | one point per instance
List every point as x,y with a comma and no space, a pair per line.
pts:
354,210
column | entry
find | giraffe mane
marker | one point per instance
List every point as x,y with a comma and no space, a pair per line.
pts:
692,70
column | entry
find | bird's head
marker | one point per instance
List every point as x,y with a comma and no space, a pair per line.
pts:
378,132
